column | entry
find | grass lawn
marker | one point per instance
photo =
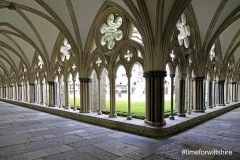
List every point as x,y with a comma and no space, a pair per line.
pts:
138,109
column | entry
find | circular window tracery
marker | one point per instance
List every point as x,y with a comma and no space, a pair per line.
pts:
111,31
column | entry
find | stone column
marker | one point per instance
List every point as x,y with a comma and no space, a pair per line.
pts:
26,92
155,97
66,85
52,102
190,95
19,92
74,95
46,92
41,92
198,94
210,89
172,89
59,90
221,92
0,91
226,92
112,80
85,95
33,93
181,97
99,96
214,93
129,117
233,86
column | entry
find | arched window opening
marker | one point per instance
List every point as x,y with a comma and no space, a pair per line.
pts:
121,91
138,92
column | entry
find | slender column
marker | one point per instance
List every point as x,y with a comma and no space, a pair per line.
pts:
181,99
204,94
85,95
189,94
210,89
26,92
172,81
226,92
221,92
198,94
112,79
41,93
214,93
19,92
46,92
66,85
52,94
99,96
31,92
233,84
129,117
0,91
237,91
155,97
59,90
74,95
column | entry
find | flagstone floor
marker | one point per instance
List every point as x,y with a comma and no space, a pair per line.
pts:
30,134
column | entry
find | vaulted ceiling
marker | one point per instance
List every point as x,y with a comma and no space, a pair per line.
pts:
30,26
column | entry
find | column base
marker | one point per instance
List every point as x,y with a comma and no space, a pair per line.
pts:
199,111
113,116
156,124
181,115
51,105
221,104
171,117
129,117
90,111
210,107
99,112
189,112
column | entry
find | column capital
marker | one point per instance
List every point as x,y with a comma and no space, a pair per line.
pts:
85,79
172,75
51,82
112,76
155,74
198,78
233,82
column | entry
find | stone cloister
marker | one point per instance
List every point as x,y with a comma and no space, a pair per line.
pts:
49,48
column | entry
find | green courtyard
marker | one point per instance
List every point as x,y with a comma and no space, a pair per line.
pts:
137,108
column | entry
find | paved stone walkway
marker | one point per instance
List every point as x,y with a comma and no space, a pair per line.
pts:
29,134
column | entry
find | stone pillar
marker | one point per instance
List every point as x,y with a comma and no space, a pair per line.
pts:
59,90
33,96
221,93
234,87
129,117
226,92
172,89
214,93
155,97
0,91
66,85
19,92
112,80
74,95
41,93
46,92
52,102
209,98
99,96
181,97
85,95
198,94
